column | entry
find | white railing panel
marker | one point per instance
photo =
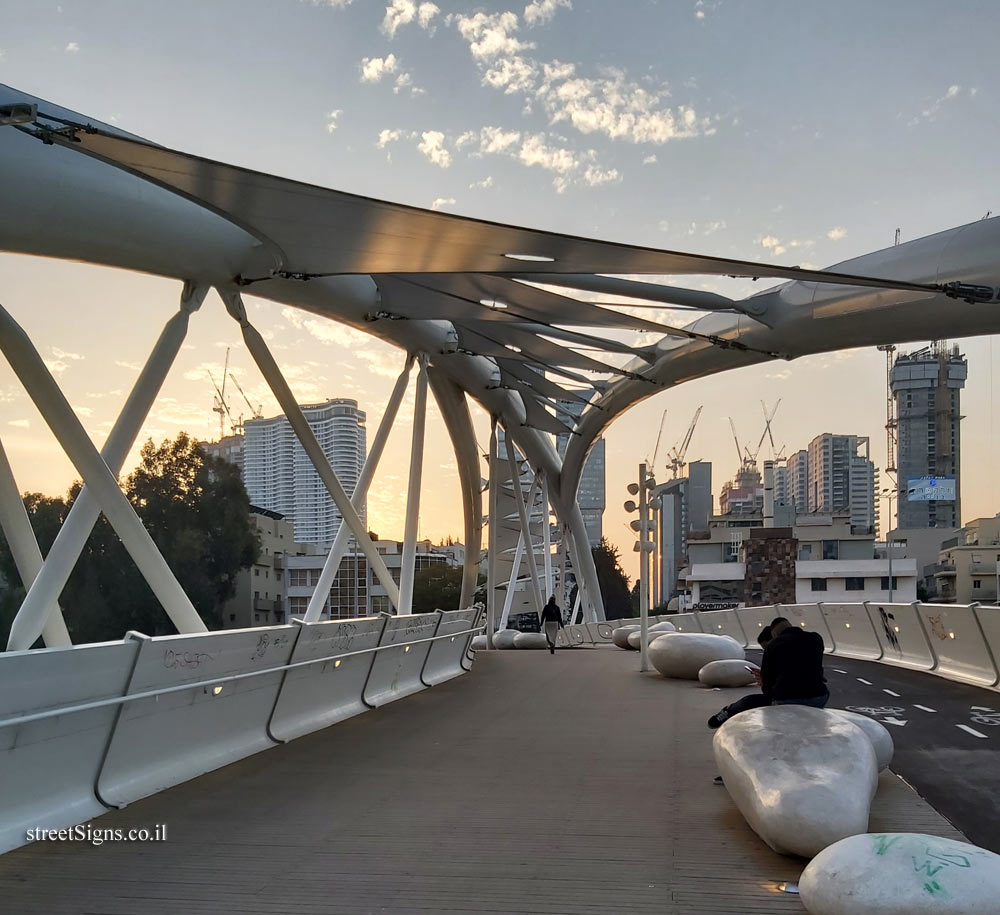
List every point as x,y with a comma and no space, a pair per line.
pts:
725,622
396,671
444,661
959,643
317,695
754,619
901,635
48,767
576,635
600,632
167,739
989,619
685,622
853,631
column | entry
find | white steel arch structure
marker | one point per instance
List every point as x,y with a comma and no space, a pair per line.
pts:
473,302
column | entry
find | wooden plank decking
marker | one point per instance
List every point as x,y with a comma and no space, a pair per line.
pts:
536,784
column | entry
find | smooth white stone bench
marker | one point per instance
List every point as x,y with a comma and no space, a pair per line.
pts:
802,778
901,874
684,654
505,638
531,640
620,635
728,673
877,733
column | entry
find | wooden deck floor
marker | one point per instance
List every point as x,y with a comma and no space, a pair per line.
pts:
536,784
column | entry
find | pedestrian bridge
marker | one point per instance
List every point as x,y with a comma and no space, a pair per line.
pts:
535,783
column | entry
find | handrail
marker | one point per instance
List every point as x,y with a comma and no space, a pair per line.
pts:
215,681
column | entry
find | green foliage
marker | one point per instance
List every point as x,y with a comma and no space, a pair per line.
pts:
613,581
437,587
195,508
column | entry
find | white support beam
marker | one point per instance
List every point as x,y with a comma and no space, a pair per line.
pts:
550,588
300,426
491,550
515,479
24,548
60,418
410,529
339,548
72,537
515,571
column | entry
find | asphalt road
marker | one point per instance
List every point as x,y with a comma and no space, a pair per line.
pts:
947,737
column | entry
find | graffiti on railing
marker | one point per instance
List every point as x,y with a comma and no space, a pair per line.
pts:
186,659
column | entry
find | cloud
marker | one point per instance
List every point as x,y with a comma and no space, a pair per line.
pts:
487,182
432,146
385,137
490,34
441,202
20,423
331,120
324,331
374,68
62,354
930,111
72,48
650,159
836,233
535,151
538,12
774,246
403,12
594,176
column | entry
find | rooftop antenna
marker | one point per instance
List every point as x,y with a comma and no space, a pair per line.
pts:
897,237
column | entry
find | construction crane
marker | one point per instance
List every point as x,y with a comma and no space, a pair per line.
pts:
740,456
676,459
219,405
777,454
656,449
890,410
255,412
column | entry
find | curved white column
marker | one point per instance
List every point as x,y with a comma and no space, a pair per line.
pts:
25,550
515,481
491,558
455,411
66,427
409,558
303,431
339,548
72,537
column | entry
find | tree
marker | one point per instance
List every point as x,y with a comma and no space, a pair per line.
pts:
437,587
612,579
195,508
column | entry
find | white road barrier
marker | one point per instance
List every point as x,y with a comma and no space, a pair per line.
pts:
89,727
852,630
959,643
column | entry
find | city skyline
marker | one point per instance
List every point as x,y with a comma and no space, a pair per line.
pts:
465,108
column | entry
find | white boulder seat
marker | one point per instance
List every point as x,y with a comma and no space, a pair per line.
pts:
802,778
877,733
657,629
683,654
478,642
728,673
531,640
663,627
505,638
620,635
901,874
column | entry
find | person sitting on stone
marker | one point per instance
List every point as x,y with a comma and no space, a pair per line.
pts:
792,668
754,700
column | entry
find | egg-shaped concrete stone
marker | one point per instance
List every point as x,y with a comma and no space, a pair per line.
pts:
531,640
478,642
505,638
802,778
663,627
728,673
901,874
877,733
620,635
683,654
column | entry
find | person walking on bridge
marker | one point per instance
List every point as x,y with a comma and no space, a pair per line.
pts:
551,622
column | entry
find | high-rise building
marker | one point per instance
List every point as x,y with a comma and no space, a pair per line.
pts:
280,477
685,506
926,386
842,478
229,448
797,487
591,496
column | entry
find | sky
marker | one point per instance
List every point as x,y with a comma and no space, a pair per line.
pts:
794,132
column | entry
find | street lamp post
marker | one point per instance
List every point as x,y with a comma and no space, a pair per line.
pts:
890,494
643,547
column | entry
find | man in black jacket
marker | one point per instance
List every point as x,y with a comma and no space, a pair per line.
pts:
791,672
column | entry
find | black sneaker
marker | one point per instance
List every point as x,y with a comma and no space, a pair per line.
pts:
718,719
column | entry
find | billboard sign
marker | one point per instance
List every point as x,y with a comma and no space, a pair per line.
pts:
930,489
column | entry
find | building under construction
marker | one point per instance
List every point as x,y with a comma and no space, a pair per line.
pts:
926,388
